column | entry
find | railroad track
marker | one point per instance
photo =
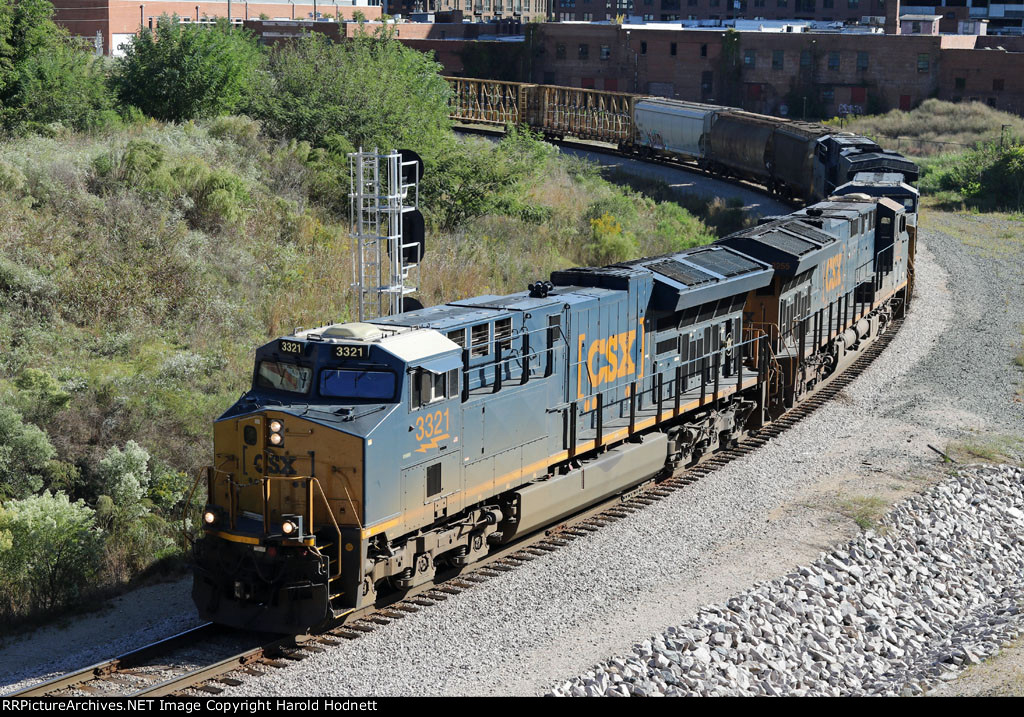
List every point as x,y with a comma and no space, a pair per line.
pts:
144,672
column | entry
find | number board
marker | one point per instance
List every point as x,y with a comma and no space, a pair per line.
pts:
348,351
290,347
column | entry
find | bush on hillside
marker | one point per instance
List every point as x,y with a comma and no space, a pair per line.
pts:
25,455
50,552
182,71
925,128
989,178
371,89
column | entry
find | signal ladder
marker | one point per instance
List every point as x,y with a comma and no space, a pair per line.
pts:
388,229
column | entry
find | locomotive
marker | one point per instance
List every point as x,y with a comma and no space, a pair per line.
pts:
792,159
368,457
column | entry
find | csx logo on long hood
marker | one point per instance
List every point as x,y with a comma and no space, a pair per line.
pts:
607,359
833,273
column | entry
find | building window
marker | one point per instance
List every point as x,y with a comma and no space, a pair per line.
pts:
777,59
606,52
704,50
923,62
853,4
783,3
588,16
673,49
750,59
997,85
862,60
915,28
827,3
960,83
584,52
758,3
828,96
643,48
805,58
560,51
833,60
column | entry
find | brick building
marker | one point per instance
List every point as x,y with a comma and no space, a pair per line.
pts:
673,10
113,22
796,74
480,10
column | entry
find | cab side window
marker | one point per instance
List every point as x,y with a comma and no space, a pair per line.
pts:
428,387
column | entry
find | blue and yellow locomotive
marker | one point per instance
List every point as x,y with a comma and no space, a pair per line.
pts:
369,457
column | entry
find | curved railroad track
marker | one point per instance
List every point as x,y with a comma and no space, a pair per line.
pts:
144,672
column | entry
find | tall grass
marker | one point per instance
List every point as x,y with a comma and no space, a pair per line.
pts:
937,127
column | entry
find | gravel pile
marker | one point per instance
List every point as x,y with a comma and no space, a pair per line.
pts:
939,586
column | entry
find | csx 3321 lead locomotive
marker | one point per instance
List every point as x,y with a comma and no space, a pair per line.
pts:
368,457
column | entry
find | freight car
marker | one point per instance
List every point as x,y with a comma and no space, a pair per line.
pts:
368,456
791,159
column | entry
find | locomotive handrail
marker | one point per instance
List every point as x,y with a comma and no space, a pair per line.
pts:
499,361
701,370
330,513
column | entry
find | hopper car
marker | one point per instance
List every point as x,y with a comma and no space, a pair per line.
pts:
796,160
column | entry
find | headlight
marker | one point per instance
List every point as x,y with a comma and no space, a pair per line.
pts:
276,433
211,515
291,526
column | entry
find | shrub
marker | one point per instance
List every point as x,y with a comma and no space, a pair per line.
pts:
39,396
609,243
991,177
25,454
315,88
50,550
180,72
124,476
45,76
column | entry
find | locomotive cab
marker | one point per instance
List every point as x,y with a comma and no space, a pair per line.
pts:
300,468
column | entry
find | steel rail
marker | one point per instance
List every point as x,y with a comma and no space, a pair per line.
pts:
128,659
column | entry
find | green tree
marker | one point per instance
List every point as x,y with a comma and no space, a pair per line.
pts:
46,76
180,72
372,90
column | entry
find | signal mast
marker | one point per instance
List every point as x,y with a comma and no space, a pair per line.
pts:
388,229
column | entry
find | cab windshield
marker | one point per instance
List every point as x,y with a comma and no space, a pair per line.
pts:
357,384
283,376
